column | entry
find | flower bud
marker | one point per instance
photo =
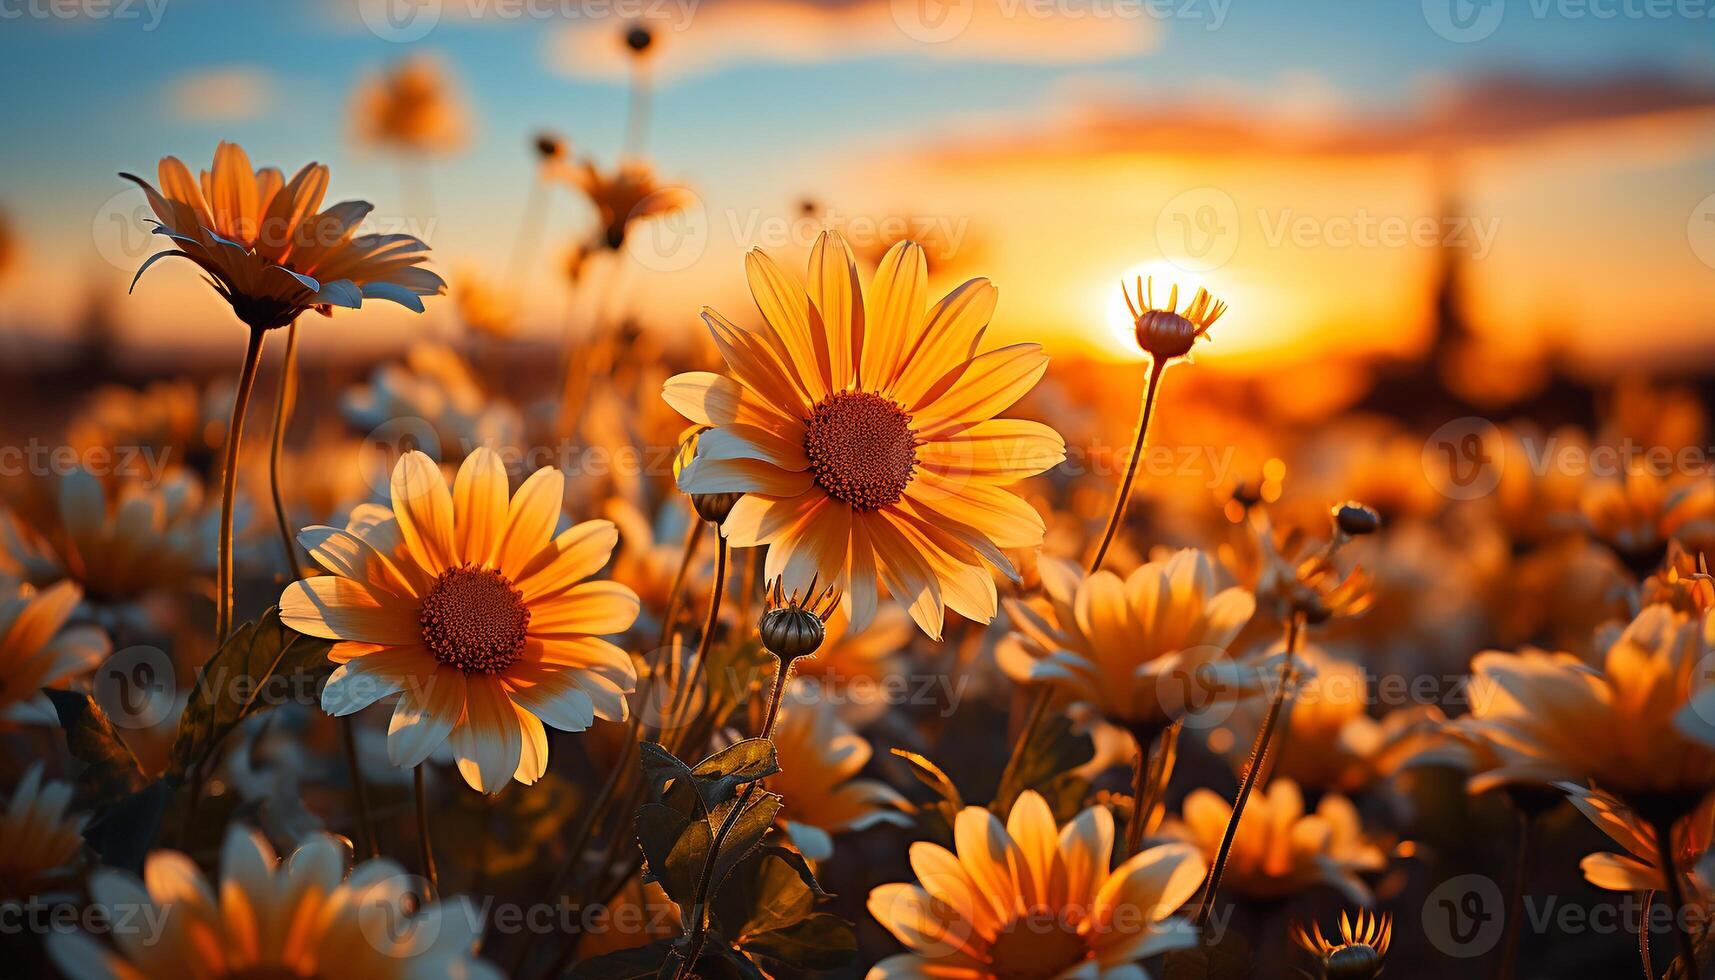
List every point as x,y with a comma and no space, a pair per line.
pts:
1165,334
714,507
1359,962
1356,519
638,38
792,631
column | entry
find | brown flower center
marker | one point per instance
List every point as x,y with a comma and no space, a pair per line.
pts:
861,448
473,619
1037,946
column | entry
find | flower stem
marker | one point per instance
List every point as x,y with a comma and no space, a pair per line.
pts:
1643,935
229,487
282,415
360,791
693,537
1675,894
1154,766
1259,753
423,840
1032,722
1124,494
1515,910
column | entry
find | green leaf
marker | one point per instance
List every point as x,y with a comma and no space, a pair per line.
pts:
259,666
764,893
1053,749
823,941
670,781
111,771
747,831
720,775
676,847
127,806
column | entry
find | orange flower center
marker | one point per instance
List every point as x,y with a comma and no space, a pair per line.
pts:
1035,947
473,619
862,449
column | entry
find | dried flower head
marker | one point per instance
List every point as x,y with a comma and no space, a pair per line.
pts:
1165,332
1359,953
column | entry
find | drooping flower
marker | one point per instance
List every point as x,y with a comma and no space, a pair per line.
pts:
268,251
1639,868
303,917
1142,651
1279,849
1029,900
820,758
861,431
38,649
41,839
474,612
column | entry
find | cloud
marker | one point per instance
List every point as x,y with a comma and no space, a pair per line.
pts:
223,95
1447,117
699,37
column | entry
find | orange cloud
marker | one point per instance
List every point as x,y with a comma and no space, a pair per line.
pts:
696,37
231,94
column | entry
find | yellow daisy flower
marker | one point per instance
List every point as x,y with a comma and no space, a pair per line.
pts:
1279,849
1029,900
474,612
626,194
820,757
38,649
299,918
411,107
861,431
267,250
1641,726
40,838
1142,651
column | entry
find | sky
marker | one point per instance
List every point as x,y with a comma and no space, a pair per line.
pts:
1298,158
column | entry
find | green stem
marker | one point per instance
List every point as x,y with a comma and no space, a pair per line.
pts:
423,840
1675,894
1259,753
229,486
282,414
360,790
1124,495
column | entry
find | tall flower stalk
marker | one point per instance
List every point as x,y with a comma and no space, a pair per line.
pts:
229,486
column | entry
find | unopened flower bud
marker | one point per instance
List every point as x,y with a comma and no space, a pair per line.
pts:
790,632
1356,519
638,38
714,507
